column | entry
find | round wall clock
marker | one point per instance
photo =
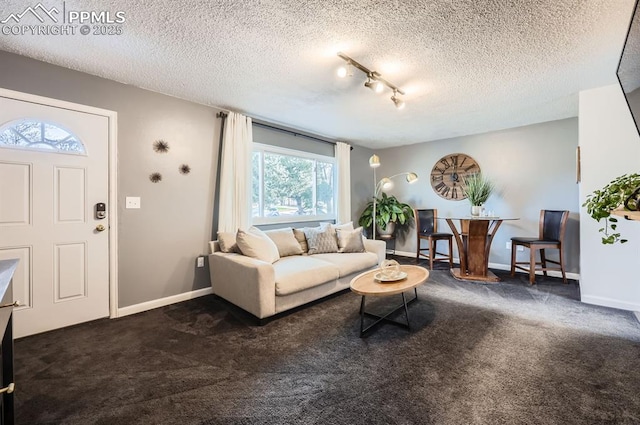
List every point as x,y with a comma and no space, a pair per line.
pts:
448,174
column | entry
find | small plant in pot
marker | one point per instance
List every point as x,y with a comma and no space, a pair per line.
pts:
622,193
389,213
478,188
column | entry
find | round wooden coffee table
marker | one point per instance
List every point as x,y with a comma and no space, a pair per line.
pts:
364,284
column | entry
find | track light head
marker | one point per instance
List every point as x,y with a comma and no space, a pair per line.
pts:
374,84
345,70
397,101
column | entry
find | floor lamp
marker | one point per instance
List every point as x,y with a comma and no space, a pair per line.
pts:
385,183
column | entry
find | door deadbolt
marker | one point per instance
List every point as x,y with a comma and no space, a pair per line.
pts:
101,210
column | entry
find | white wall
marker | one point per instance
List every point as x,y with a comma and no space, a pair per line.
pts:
610,147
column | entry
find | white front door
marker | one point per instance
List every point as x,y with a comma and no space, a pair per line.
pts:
53,171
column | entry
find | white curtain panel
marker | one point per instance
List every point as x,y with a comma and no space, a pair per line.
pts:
235,174
343,159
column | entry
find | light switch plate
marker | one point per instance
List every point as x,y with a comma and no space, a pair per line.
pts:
132,202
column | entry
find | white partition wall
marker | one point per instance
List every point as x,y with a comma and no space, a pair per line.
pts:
610,147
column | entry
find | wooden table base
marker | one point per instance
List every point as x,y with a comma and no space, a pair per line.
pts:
488,278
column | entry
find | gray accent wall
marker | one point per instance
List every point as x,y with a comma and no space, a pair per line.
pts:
284,139
159,243
534,168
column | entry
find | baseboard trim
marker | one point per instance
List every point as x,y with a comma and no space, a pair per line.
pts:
499,266
150,305
610,302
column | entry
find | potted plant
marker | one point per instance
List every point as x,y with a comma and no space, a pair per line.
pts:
389,211
478,188
622,193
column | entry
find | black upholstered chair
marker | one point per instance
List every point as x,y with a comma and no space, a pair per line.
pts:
551,236
427,227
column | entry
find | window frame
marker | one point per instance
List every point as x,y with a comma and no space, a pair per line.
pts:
264,148
10,125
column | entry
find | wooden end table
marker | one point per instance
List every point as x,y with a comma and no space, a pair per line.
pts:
364,284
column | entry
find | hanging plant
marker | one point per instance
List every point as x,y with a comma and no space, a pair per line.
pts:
155,177
619,193
160,146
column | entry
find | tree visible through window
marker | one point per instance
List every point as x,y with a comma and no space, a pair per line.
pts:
286,185
39,135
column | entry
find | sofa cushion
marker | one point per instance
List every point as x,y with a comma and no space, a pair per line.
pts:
297,273
350,263
285,241
321,239
254,243
350,240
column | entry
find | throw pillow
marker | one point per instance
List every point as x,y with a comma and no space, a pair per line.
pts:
227,242
302,240
344,226
350,240
285,241
256,244
321,239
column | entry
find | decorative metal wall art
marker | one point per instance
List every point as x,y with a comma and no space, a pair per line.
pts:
184,169
160,146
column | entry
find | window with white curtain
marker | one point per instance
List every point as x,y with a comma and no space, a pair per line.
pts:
291,186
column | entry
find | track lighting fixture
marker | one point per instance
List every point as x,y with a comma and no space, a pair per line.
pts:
374,81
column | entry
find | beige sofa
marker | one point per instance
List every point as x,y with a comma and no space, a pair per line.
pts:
265,289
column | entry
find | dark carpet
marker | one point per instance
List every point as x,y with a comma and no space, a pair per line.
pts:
505,353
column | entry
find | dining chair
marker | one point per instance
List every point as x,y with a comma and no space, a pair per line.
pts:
551,236
427,229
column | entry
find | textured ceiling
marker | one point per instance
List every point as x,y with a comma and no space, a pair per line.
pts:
467,66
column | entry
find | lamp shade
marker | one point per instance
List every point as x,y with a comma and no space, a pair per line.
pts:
386,183
412,178
374,161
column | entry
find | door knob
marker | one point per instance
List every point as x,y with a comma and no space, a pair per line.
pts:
13,304
8,389
100,228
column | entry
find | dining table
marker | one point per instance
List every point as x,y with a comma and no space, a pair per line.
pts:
473,236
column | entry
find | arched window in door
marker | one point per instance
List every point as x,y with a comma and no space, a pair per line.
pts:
39,135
